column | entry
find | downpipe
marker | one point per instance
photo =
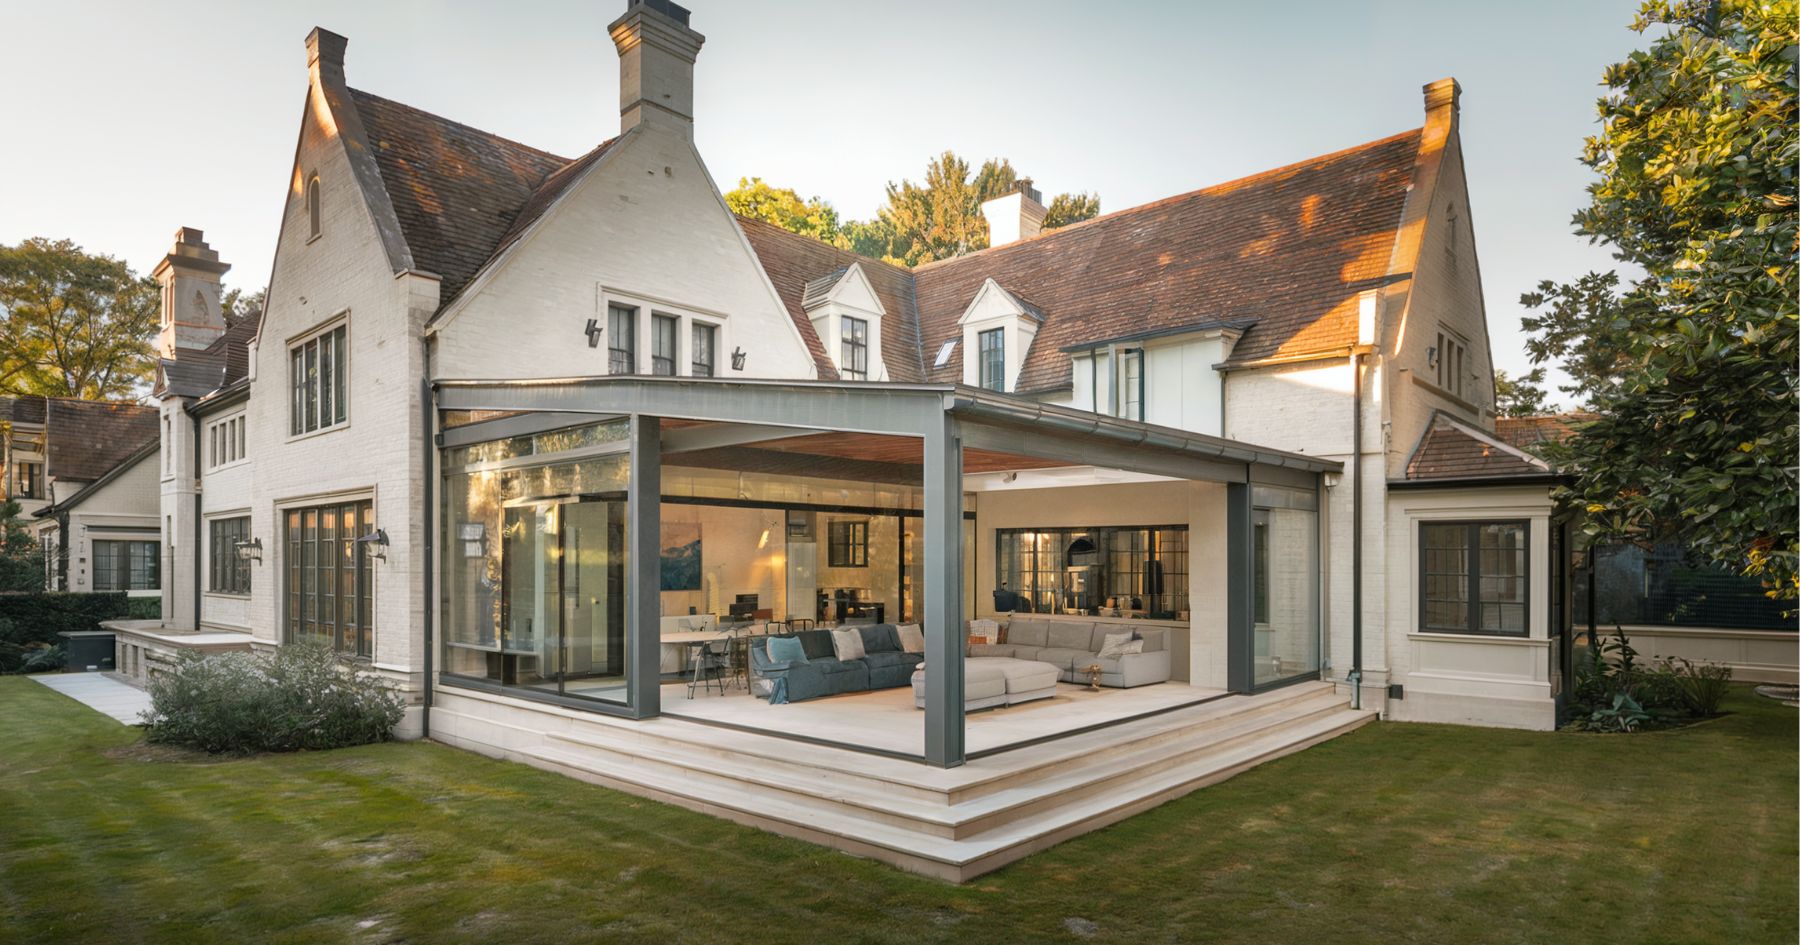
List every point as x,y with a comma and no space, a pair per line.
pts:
1356,533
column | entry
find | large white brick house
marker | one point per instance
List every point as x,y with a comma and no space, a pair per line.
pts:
1256,419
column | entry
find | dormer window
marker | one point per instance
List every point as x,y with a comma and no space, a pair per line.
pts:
853,363
993,359
312,207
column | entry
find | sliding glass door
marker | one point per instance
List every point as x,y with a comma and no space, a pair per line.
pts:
562,597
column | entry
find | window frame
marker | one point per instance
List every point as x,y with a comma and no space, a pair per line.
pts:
663,362
847,543
227,573
620,315
697,330
1472,577
315,213
853,348
28,479
314,385
226,442
1451,350
990,359
141,557
305,594
1132,365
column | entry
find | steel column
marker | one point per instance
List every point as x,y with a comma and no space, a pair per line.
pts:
1240,589
643,569
943,611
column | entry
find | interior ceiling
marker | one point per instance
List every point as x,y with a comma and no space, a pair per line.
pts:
874,457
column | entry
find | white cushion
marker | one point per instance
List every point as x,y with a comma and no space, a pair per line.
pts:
1112,648
912,638
847,644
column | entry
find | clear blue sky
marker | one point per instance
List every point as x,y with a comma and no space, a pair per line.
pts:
125,119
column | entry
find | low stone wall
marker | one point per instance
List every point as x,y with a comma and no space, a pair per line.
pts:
1763,656
144,649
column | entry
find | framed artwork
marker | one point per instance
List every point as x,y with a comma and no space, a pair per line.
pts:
681,556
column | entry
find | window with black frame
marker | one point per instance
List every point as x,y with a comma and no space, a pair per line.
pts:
229,573
328,576
705,341
29,481
663,330
992,361
126,565
848,544
1139,570
854,363
319,373
621,345
1473,577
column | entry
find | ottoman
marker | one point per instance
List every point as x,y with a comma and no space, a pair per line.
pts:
990,681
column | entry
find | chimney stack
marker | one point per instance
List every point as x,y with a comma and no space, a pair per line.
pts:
656,65
1016,216
189,277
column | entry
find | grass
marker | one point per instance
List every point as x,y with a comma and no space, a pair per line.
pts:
1394,833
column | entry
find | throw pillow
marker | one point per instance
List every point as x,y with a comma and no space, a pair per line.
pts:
1112,648
847,643
786,650
1135,646
912,638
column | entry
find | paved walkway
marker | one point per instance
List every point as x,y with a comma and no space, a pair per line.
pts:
102,693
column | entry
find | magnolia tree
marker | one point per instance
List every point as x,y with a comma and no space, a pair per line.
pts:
1689,370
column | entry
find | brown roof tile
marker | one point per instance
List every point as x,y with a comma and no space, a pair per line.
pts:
457,191
86,438
1527,432
1454,450
22,408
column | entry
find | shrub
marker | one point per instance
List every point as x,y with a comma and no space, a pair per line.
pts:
1656,688
1701,688
1622,715
299,698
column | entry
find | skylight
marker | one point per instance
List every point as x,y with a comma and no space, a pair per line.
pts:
943,357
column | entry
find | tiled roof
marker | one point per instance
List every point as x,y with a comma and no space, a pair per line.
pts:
460,193
222,363
22,408
1451,449
1527,432
89,437
792,261
1288,249
819,288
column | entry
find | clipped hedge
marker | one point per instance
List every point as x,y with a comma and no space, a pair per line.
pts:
30,622
299,698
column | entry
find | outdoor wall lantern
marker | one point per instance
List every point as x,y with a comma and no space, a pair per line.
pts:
737,359
1431,356
593,332
377,544
250,550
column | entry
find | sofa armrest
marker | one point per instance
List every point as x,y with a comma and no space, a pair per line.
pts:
1150,666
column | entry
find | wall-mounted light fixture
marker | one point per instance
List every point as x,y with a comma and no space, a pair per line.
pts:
737,359
593,332
377,542
1431,356
250,550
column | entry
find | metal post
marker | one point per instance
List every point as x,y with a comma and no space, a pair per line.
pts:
943,573
1240,630
643,569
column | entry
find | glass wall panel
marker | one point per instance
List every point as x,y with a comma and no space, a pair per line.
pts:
1285,579
534,564
1112,571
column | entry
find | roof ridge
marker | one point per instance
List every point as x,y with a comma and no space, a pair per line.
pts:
859,257
1476,433
1187,195
451,121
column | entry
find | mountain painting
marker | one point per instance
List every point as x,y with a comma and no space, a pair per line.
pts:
681,556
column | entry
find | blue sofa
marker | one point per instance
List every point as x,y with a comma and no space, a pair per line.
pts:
883,666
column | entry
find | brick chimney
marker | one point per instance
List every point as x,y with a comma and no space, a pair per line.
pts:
656,65
1016,216
189,277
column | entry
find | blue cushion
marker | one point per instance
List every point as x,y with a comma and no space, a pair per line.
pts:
785,650
817,644
879,638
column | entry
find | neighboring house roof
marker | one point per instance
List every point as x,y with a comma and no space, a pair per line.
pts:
22,408
118,469
1454,450
86,438
461,194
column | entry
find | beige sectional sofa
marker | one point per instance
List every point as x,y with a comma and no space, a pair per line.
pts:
1073,645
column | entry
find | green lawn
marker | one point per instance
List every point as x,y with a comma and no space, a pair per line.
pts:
1394,833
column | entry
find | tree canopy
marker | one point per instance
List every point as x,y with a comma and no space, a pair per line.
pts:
73,324
937,218
1690,368
1521,396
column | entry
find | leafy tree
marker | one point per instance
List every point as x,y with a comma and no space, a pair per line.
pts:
937,218
808,216
236,304
1065,209
21,561
73,324
1521,396
1690,368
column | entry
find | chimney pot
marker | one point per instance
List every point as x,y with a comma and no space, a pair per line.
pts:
1015,216
189,278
